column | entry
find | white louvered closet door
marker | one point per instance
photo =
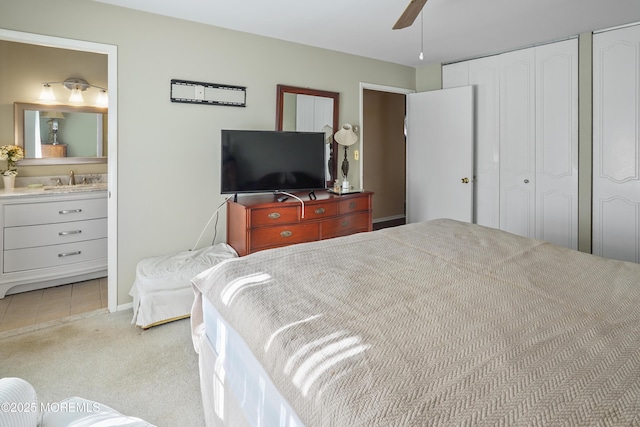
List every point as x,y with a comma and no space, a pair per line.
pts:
616,144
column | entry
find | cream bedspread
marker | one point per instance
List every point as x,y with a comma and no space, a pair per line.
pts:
438,323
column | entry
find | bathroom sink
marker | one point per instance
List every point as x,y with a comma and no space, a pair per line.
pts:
75,188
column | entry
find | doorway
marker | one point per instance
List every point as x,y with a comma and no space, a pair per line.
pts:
111,51
383,148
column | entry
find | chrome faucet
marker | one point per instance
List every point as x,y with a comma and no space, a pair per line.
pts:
72,178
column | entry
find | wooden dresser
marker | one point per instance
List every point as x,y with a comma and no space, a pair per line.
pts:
257,222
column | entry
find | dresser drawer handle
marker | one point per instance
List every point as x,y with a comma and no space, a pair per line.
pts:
70,211
320,211
345,223
352,205
274,215
69,254
286,233
66,233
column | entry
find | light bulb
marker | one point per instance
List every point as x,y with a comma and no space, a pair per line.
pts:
421,56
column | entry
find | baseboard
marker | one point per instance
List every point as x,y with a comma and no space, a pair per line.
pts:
123,307
389,218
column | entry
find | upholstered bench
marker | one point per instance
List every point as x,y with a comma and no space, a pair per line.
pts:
22,409
162,288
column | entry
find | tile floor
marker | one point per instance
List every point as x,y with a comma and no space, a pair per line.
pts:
29,308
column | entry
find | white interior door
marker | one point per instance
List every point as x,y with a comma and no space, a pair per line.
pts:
616,144
556,183
440,155
517,142
484,75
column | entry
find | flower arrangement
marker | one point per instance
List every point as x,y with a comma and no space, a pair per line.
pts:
11,153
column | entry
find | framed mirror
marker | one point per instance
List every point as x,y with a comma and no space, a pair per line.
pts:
60,134
310,110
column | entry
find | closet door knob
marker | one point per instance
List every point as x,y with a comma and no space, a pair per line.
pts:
526,181
465,180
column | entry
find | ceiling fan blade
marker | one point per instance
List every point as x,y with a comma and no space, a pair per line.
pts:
410,14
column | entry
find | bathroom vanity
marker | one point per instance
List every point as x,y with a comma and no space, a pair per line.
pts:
52,237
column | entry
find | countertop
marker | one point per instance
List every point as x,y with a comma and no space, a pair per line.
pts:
51,190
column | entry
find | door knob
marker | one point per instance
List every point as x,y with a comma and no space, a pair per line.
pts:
465,180
526,181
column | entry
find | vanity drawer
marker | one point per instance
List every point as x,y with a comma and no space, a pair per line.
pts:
55,256
345,225
270,237
52,234
271,216
54,212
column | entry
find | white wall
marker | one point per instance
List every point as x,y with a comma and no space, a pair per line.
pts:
168,153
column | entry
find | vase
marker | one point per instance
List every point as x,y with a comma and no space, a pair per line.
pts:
9,181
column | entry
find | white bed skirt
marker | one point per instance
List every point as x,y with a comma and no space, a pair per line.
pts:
234,382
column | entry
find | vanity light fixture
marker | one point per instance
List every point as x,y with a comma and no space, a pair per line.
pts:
76,86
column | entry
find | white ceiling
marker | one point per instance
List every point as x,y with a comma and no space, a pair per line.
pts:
453,29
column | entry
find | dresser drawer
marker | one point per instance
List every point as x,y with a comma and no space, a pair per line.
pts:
52,212
52,234
270,237
353,205
273,216
324,210
345,225
55,256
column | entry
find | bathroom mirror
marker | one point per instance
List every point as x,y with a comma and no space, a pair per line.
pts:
60,134
310,110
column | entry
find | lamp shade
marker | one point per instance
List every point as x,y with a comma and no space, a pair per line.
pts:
76,96
53,115
346,136
103,99
47,93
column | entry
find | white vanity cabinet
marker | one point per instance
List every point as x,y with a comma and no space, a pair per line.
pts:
52,239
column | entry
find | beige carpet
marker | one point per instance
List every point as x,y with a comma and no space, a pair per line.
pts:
149,374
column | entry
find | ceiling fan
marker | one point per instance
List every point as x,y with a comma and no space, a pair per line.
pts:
410,14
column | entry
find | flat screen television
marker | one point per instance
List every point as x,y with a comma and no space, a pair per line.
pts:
255,161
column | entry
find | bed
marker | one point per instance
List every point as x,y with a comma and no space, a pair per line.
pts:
435,323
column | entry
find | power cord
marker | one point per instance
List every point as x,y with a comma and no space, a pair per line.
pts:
215,214
294,196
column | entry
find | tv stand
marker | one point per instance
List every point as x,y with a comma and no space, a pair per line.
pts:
259,222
